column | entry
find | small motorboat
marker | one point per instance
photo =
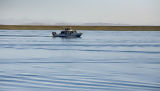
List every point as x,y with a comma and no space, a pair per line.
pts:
67,32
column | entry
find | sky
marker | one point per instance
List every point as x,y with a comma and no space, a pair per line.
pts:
134,12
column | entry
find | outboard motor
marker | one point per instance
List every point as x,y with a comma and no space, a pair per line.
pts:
54,34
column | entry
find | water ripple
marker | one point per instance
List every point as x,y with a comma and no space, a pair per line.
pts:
24,80
99,61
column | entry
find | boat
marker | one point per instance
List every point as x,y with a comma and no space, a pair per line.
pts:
67,32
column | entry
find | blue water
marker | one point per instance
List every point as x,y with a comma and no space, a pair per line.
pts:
32,60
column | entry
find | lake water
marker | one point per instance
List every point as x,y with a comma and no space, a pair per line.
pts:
32,60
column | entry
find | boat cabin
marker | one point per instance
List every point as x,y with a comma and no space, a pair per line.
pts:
68,31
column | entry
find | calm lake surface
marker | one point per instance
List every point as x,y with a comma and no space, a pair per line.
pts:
32,60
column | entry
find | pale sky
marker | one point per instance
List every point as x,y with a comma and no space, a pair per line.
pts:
136,12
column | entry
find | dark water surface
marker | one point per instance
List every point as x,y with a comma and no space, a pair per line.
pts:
31,60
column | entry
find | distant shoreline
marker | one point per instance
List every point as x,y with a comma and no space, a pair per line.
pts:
104,28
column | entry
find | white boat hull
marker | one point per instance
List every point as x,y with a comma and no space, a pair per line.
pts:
67,35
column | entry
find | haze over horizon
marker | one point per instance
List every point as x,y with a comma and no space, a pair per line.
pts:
122,12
